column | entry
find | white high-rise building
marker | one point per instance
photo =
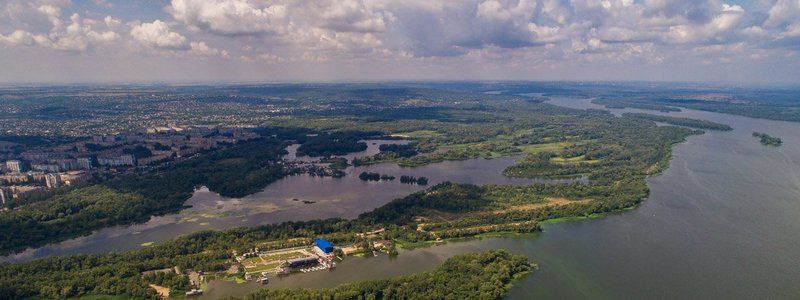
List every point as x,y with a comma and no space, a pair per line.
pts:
52,180
14,166
5,195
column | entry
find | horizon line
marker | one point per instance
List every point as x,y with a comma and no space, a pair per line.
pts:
179,83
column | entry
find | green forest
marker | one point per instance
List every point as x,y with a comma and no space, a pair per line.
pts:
688,122
767,140
482,275
233,172
608,158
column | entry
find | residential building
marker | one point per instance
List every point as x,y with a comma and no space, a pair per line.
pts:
5,195
14,166
115,161
85,163
52,180
67,163
53,168
74,177
18,191
14,178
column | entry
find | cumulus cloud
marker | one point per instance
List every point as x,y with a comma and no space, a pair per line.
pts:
784,18
200,48
783,13
348,16
504,32
79,35
158,34
20,37
231,17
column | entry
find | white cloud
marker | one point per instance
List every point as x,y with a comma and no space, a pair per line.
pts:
19,37
783,13
230,17
200,48
79,35
345,16
158,34
784,17
792,31
52,12
507,33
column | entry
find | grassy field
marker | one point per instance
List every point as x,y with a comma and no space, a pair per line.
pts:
282,256
263,267
252,260
548,147
418,134
576,159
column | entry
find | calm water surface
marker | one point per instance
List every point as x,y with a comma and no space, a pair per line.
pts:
720,223
282,200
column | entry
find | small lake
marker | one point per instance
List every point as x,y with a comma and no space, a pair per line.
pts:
345,197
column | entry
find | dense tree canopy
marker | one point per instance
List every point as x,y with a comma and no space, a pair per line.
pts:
483,275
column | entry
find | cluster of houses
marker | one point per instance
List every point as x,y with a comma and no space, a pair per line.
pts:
38,168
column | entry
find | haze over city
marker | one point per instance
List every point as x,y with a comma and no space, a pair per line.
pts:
109,41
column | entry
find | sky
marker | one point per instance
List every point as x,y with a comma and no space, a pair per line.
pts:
184,41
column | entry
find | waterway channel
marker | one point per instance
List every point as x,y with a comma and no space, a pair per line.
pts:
720,223
293,198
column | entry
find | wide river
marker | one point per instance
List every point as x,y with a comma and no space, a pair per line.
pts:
721,222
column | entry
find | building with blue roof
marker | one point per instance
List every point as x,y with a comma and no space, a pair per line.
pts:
324,245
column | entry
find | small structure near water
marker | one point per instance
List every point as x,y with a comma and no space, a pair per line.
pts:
324,245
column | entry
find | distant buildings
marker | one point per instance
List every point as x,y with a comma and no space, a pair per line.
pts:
5,196
52,180
117,161
40,155
105,138
67,163
14,166
14,178
84,163
74,177
56,165
53,168
18,191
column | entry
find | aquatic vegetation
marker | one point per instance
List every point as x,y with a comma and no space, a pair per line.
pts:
767,140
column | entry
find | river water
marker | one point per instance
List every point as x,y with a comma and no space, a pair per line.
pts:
283,200
720,223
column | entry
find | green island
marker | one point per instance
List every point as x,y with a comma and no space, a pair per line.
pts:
688,122
608,157
767,140
482,275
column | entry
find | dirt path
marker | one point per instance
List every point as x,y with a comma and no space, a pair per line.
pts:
551,201
162,291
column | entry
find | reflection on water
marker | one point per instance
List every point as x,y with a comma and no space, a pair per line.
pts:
720,223
373,147
282,200
354,269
